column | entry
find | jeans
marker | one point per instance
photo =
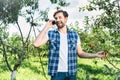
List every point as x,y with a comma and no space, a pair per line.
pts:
63,76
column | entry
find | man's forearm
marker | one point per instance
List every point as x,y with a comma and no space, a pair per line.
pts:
40,37
87,55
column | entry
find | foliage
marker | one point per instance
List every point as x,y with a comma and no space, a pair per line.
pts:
9,10
102,34
102,31
61,3
15,48
106,26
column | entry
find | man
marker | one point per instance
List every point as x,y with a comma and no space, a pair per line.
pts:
64,47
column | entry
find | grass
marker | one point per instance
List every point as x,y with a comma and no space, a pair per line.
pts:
92,69
88,69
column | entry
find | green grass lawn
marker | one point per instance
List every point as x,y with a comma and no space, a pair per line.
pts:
88,69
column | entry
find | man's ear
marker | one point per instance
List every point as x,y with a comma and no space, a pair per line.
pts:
66,18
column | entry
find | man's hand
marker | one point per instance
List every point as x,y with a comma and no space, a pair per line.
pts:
49,24
102,54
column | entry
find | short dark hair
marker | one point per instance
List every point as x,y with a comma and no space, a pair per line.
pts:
65,14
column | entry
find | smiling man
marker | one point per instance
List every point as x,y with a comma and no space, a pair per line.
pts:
64,48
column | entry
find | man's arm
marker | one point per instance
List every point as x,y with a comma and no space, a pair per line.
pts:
42,38
83,54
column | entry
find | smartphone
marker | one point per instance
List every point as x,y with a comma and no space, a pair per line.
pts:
53,22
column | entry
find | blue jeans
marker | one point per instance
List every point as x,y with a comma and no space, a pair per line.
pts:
63,76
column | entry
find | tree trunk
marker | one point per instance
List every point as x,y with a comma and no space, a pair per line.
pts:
13,75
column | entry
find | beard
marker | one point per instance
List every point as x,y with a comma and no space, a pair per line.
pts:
60,24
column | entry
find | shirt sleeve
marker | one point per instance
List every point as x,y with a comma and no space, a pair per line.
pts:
47,35
78,41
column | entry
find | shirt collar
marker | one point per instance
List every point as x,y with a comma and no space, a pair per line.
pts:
68,30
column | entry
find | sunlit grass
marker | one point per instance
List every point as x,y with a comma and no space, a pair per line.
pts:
31,69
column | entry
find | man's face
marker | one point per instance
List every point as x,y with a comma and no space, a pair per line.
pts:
60,20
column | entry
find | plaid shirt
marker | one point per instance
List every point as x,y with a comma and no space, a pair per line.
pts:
54,39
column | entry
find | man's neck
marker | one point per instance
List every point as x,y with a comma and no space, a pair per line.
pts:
63,30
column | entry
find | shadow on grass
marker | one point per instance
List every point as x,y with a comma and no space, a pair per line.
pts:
27,64
91,70
35,68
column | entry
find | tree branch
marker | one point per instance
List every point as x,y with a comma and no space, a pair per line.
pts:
5,55
20,32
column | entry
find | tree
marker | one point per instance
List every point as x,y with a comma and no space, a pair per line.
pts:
10,10
104,29
107,23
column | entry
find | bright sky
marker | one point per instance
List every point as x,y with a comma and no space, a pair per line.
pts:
72,9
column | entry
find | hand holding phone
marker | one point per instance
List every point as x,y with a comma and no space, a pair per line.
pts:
53,22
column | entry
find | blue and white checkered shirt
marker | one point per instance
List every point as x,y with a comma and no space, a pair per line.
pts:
54,39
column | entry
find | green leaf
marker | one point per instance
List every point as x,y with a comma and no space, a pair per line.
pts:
53,1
